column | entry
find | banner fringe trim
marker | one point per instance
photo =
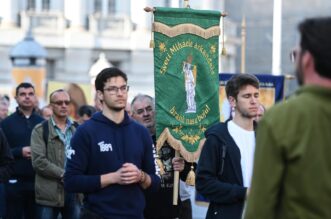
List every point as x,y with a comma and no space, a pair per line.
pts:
185,29
178,146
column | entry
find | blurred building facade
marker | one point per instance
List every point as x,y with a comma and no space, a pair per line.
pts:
76,32
259,21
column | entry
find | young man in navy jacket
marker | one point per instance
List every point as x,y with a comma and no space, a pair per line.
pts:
112,160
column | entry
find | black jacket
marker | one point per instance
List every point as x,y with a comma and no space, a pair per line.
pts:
159,204
17,129
222,186
6,159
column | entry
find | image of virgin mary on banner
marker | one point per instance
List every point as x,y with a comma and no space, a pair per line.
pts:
186,77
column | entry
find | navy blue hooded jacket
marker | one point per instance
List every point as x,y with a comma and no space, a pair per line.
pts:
17,129
223,187
102,146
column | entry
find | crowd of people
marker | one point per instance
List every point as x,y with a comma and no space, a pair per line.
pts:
105,164
46,174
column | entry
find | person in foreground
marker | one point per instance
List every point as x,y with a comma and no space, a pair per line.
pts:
112,161
292,174
226,161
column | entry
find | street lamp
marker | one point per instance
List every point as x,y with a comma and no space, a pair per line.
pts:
29,59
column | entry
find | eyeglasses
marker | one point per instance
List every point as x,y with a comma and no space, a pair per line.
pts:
114,90
61,102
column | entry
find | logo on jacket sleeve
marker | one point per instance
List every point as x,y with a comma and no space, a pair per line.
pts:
104,147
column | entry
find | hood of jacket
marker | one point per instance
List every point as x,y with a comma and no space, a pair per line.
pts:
99,117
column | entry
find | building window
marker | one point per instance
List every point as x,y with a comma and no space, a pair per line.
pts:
104,6
167,3
97,6
111,6
37,5
31,5
45,4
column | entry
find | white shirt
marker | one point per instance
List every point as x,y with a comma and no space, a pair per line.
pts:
245,140
184,190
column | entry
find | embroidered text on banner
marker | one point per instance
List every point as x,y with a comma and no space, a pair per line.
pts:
186,77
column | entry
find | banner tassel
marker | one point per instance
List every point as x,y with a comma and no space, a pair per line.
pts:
190,179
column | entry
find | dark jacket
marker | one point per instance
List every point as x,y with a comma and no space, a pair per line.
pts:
222,186
102,146
159,204
17,129
6,159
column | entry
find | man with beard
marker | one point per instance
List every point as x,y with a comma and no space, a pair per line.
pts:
20,193
226,161
292,171
158,204
112,160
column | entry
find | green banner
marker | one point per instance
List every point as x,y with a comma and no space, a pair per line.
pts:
186,77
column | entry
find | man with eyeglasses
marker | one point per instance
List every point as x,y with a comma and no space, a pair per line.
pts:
292,174
113,159
50,146
20,193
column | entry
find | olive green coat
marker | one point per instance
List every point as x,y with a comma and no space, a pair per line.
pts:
49,167
292,169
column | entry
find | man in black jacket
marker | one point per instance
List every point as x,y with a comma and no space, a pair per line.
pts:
6,158
17,128
226,161
159,204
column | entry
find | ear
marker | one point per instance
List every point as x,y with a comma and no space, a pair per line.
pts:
232,101
100,95
308,63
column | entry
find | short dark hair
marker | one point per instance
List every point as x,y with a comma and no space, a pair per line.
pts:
24,85
86,110
106,74
238,81
316,38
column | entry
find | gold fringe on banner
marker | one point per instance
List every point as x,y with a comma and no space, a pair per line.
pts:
160,165
177,145
186,28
